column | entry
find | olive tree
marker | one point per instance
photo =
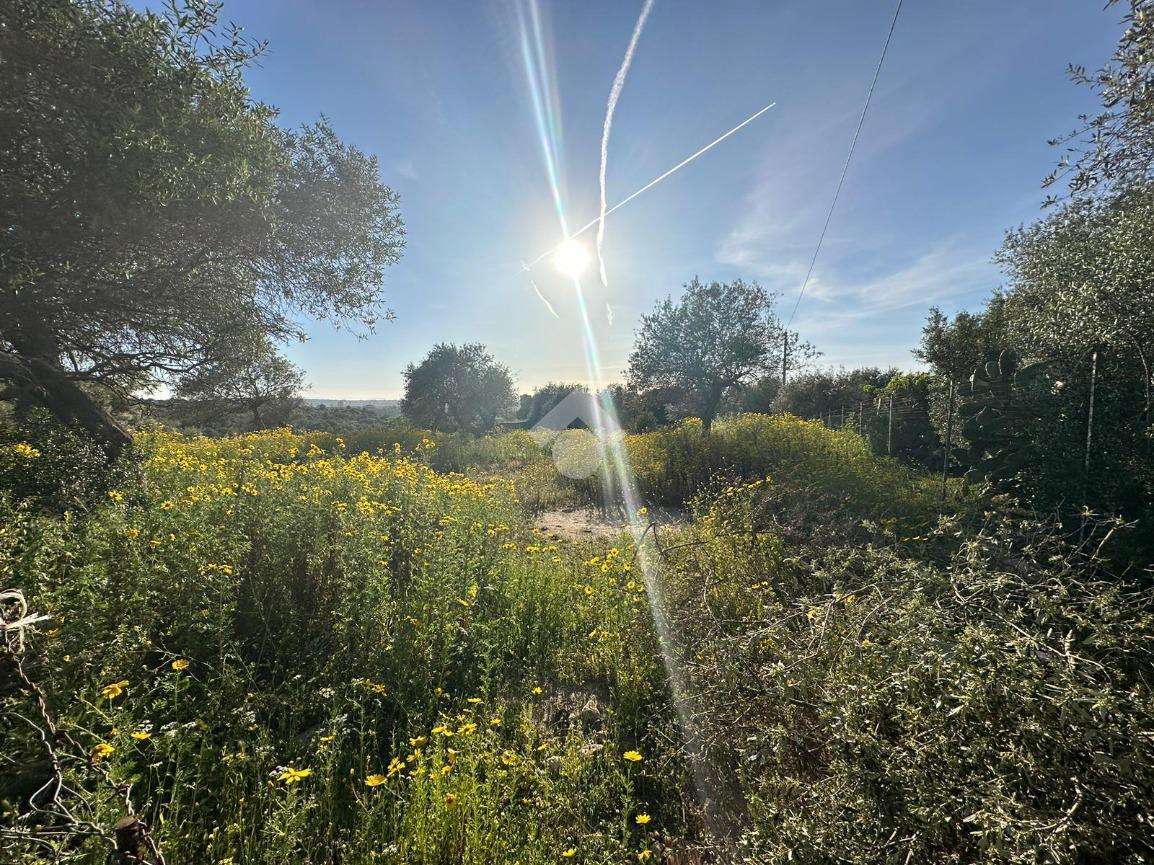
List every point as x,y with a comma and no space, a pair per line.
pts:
717,336
457,388
155,215
255,380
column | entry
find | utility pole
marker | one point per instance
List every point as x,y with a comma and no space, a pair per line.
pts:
859,412
784,357
890,428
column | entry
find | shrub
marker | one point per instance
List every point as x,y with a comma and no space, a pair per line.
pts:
874,706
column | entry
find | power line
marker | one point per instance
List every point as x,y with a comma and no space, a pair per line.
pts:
848,158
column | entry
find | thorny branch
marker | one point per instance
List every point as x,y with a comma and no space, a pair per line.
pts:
54,820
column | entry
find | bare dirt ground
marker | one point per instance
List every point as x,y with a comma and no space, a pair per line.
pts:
577,524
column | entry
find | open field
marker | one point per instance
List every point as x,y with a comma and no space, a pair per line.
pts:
283,650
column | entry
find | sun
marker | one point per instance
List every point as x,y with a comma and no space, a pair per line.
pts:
571,258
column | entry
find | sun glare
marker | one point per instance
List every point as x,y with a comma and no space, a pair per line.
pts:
571,258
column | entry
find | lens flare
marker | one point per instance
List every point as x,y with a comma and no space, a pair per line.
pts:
571,258
617,477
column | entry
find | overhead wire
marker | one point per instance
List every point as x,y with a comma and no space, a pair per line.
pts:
848,159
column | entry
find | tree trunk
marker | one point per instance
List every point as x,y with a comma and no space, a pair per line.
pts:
45,383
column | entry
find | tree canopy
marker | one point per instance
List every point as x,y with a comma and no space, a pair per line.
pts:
155,214
457,388
1114,149
717,336
255,379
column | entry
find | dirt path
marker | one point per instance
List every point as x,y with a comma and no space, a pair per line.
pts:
576,524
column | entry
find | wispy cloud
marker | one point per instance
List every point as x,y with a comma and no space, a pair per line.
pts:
947,271
406,169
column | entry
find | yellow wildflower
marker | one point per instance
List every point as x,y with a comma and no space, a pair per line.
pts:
508,758
538,690
291,775
102,750
375,780
644,855
114,690
180,664
26,450
116,496
642,819
570,853
141,735
633,756
451,800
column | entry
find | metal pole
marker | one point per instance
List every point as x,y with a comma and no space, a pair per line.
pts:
890,429
949,438
784,358
1090,417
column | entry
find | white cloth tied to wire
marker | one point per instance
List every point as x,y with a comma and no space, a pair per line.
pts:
14,628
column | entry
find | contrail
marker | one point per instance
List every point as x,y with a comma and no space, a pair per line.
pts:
544,300
614,94
652,183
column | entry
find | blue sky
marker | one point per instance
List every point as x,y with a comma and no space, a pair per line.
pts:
951,155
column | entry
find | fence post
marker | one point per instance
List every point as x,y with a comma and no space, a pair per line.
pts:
890,429
1090,422
949,438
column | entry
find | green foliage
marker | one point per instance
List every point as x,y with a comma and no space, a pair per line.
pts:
822,393
918,699
715,337
831,470
457,389
1114,147
48,466
995,418
134,161
270,607
253,379
545,398
384,664
1078,312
